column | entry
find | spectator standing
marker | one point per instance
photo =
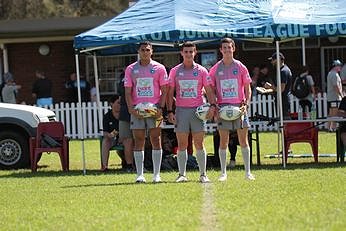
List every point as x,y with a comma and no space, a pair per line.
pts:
42,90
10,89
334,91
263,77
72,87
187,81
342,113
233,87
306,102
285,83
343,78
146,81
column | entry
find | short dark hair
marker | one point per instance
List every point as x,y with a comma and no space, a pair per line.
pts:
188,44
113,98
227,40
145,43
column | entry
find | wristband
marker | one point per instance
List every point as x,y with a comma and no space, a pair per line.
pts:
170,111
213,105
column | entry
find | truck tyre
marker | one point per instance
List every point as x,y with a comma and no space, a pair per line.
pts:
14,150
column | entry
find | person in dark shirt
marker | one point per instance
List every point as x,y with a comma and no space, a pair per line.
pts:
285,81
342,112
125,133
72,88
263,77
42,90
110,130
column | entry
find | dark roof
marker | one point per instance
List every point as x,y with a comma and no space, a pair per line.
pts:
48,27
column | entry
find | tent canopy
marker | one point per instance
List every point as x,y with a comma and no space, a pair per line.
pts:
168,22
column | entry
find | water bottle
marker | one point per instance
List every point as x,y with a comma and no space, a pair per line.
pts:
300,113
313,111
307,113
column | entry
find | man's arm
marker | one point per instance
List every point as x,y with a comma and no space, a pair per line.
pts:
129,102
163,97
247,89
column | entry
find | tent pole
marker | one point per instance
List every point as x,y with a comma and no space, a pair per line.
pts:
79,111
279,102
98,101
303,52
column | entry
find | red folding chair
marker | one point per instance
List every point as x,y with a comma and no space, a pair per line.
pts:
50,137
301,132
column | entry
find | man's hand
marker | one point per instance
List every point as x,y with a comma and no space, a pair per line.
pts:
135,113
211,112
171,118
158,113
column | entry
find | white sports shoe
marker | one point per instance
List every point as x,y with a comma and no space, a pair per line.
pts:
249,177
204,179
156,179
140,179
223,177
181,178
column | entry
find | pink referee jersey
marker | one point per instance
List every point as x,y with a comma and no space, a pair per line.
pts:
189,84
146,81
230,81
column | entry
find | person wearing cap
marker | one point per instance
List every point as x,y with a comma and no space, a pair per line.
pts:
10,90
285,80
334,91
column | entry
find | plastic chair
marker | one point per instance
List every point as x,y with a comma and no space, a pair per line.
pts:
60,144
301,132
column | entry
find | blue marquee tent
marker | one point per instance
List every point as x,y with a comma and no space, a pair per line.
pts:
167,22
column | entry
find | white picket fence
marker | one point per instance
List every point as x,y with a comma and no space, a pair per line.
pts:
68,114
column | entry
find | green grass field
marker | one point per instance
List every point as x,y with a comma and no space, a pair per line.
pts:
303,196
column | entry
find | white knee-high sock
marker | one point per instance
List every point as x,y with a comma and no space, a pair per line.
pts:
139,159
222,156
202,161
246,158
182,160
156,156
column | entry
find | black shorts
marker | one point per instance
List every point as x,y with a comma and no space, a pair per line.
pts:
333,104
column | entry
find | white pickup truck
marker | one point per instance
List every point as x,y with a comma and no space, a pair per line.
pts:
17,124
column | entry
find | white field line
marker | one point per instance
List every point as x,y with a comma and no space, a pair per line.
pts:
208,218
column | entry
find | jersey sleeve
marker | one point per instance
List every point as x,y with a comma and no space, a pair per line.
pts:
172,74
127,78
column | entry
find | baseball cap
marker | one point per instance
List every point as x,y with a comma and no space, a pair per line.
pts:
273,57
8,76
336,62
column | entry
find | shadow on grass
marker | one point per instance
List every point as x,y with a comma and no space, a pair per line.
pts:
293,166
58,173
129,183
41,172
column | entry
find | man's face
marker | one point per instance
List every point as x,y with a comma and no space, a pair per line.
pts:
274,62
188,53
227,49
145,52
116,106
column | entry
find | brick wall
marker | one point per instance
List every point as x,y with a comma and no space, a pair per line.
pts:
24,60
